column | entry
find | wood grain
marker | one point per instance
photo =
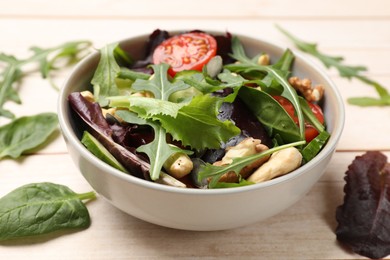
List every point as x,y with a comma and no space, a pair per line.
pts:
356,30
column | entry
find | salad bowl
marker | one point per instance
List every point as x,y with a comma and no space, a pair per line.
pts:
200,209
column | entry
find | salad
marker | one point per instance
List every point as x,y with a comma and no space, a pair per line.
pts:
197,112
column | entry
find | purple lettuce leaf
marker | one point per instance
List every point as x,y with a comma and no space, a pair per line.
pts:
91,114
364,218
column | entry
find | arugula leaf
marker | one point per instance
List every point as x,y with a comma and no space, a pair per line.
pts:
199,119
215,172
369,101
70,52
247,65
283,64
309,116
13,72
242,182
122,57
159,84
345,71
328,61
231,79
146,107
41,208
10,75
382,100
197,80
132,75
103,80
235,81
158,150
26,133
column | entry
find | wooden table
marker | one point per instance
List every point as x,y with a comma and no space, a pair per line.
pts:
355,29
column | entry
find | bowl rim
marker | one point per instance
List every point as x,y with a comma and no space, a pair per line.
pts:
330,147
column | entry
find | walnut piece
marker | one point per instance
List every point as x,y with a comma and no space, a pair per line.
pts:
304,86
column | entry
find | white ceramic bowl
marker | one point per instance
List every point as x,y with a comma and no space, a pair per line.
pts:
196,209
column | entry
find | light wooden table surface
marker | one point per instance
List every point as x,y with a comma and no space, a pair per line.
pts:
355,29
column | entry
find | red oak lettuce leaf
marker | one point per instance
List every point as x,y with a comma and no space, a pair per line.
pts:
364,218
91,114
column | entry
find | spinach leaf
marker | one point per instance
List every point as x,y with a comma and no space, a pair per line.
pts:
26,133
41,208
271,114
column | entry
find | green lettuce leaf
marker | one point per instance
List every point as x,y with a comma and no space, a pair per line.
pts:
197,125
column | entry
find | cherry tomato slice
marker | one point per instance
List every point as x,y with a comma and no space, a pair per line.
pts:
188,51
310,131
